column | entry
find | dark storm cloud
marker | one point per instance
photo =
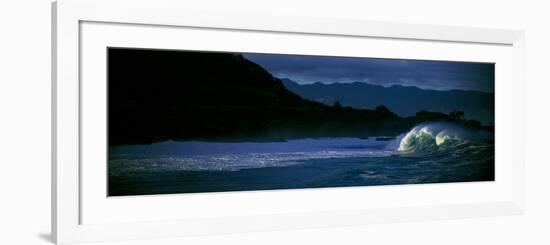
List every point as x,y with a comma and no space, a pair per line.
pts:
439,75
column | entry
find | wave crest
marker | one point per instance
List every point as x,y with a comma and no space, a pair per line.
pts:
436,136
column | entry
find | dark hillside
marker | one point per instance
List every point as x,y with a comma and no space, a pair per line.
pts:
157,95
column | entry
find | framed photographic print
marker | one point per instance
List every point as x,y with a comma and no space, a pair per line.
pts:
171,122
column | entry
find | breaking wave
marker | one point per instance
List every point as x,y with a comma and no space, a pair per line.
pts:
441,141
436,137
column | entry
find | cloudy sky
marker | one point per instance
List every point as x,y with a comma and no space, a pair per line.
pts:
438,75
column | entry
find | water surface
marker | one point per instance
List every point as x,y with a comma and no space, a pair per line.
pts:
432,153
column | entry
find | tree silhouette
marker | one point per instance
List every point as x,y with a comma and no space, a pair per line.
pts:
456,116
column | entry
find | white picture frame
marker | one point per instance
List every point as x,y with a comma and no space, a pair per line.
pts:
69,198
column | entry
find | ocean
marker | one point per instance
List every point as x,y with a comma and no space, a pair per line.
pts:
428,153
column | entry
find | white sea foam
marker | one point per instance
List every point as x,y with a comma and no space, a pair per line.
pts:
192,156
434,136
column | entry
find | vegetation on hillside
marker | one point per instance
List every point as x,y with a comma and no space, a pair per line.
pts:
159,95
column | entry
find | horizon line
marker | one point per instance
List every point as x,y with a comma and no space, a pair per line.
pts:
379,85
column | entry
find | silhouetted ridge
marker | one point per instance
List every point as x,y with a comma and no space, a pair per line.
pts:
157,95
405,101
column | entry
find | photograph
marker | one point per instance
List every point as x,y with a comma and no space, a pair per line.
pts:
184,121
162,122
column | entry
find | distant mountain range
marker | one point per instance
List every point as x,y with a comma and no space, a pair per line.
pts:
158,95
404,101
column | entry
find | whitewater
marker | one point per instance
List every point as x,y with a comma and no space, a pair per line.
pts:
428,153
433,137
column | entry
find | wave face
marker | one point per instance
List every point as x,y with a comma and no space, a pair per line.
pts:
437,137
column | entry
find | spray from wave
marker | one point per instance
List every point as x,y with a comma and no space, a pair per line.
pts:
437,137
